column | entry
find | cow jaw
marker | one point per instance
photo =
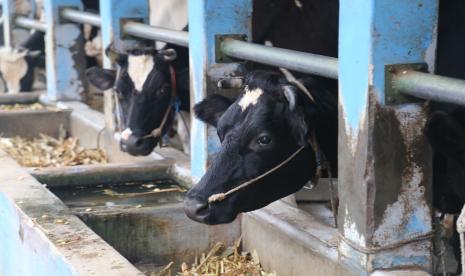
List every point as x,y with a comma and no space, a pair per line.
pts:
139,68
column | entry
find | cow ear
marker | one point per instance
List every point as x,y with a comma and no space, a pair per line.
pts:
445,133
210,109
103,79
296,114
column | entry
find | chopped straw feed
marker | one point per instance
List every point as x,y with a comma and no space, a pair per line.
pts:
220,261
47,151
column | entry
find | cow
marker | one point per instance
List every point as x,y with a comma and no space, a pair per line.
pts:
18,64
446,133
265,27
445,126
150,84
271,124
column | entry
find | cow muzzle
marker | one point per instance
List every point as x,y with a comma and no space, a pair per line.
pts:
138,146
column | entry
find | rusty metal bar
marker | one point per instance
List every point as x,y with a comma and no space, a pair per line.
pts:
430,87
141,30
28,23
82,17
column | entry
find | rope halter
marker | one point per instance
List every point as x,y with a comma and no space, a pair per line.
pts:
157,132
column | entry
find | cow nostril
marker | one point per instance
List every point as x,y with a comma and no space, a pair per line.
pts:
139,142
195,209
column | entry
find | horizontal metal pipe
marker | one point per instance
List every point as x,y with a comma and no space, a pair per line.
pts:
28,23
290,59
156,33
430,87
82,17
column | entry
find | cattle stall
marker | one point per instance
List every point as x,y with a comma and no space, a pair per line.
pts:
385,71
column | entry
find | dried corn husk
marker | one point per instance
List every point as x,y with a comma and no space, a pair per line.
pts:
221,261
17,107
47,151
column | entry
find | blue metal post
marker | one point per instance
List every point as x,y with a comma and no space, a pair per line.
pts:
65,57
8,13
208,18
113,14
384,162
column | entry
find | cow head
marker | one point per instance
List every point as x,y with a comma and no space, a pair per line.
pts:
143,87
270,121
16,67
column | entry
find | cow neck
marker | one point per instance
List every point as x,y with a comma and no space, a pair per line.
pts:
157,132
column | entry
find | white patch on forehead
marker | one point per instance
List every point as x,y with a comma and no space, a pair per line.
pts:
250,97
139,68
13,67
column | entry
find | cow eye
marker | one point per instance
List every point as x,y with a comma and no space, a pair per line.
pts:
264,140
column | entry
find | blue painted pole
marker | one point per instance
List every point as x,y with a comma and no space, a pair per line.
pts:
385,183
8,13
65,57
208,18
113,13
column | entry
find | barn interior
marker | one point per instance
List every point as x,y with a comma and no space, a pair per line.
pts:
391,207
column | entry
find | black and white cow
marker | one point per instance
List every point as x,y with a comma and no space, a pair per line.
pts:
145,82
17,65
270,121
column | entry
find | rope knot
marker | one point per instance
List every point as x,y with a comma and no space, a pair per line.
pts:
216,197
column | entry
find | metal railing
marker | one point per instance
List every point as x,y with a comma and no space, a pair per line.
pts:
141,30
82,17
430,87
135,29
290,59
28,23
414,83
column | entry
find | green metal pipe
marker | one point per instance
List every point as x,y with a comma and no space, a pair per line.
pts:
290,59
430,87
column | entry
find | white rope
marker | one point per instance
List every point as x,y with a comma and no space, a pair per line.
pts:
222,196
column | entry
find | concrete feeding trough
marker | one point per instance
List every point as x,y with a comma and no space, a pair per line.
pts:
147,229
144,220
51,120
102,219
136,231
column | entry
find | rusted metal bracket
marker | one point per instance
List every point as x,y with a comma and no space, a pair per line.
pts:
220,57
393,94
